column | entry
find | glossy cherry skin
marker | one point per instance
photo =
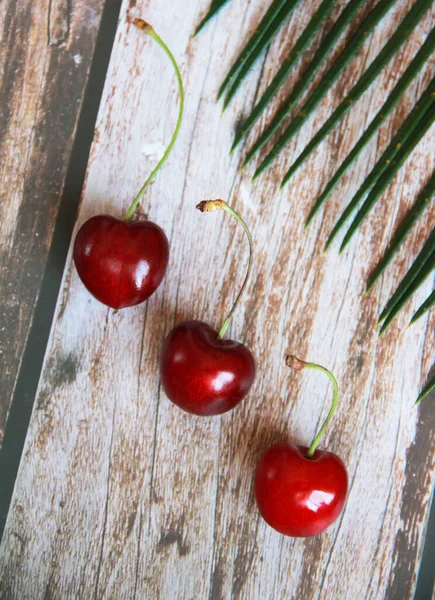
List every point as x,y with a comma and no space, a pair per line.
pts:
202,374
300,496
120,263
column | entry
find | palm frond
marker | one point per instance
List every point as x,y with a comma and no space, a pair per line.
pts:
418,281
253,43
301,44
354,44
411,218
424,308
406,129
408,76
400,158
421,268
268,34
388,51
215,6
304,81
426,391
411,131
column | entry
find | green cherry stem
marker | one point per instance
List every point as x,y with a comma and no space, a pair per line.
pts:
209,206
147,28
297,365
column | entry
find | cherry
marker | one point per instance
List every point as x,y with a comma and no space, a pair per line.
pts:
122,262
301,491
202,373
297,495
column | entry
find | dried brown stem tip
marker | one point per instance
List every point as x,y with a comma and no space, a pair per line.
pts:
210,205
294,363
142,24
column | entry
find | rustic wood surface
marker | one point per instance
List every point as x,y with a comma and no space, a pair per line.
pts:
122,495
46,49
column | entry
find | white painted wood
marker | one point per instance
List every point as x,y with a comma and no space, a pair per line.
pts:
119,493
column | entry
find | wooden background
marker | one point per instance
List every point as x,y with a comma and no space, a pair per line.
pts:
119,494
45,54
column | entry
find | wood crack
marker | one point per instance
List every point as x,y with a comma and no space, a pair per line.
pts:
215,518
106,506
140,494
154,454
58,25
391,488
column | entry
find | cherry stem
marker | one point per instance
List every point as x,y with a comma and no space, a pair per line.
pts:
209,206
147,28
297,365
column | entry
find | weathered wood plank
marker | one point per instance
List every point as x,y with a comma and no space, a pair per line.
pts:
46,49
120,494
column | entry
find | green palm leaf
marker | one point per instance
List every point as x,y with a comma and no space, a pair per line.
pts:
408,76
308,75
425,391
406,129
214,7
388,51
271,30
328,79
404,141
421,268
411,218
424,308
254,42
304,39
401,156
418,281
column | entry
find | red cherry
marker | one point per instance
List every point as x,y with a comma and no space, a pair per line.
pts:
301,491
300,496
203,374
120,262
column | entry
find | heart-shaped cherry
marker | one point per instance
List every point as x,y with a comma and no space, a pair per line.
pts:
201,372
301,491
122,262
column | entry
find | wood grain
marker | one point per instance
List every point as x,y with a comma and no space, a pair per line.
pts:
119,493
46,49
